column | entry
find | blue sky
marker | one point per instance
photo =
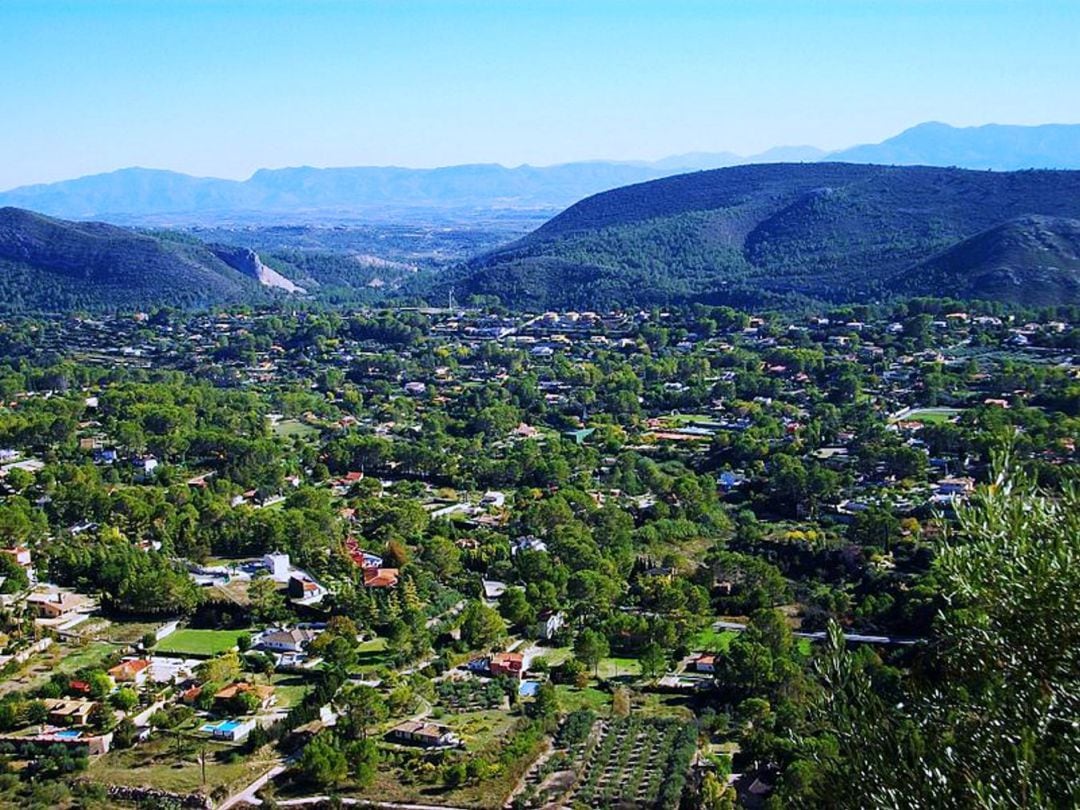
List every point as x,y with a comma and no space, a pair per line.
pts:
223,88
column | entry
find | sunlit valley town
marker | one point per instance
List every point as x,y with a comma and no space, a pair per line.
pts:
471,557
539,405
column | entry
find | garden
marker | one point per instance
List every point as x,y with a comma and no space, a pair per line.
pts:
470,694
636,762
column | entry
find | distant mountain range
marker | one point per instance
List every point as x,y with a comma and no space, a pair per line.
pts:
150,196
993,146
759,235
776,234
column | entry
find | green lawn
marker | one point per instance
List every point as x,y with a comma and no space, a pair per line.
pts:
932,416
288,428
615,667
204,643
718,641
371,654
289,690
572,698
683,419
710,640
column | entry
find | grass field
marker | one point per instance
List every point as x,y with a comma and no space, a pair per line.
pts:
287,428
156,764
205,643
479,729
289,690
615,667
712,640
370,654
932,416
684,419
572,698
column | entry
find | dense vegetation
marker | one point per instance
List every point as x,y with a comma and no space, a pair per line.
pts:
715,537
754,234
783,236
53,265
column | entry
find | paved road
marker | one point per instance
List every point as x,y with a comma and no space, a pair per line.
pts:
248,794
305,800
856,638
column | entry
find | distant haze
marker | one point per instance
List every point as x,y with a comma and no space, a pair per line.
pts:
305,194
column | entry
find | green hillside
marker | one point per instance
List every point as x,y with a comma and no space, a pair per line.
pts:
766,233
49,264
1031,260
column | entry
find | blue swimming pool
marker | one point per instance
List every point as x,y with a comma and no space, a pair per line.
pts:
224,726
69,734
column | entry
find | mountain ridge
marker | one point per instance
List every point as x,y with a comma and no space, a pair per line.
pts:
827,231
159,196
53,264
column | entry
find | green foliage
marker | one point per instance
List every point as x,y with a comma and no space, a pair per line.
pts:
79,266
756,235
130,580
481,627
989,720
322,761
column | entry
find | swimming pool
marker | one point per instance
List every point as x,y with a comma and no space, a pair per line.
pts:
68,734
225,726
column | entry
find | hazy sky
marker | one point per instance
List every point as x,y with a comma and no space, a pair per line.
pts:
223,88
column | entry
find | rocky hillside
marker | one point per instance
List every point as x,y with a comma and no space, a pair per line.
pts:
1031,260
54,265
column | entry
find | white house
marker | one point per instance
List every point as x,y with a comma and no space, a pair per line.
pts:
278,566
548,623
527,543
144,465
493,589
294,640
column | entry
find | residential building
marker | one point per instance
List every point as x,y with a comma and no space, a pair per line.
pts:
305,589
64,712
423,733
705,662
264,693
58,604
508,664
134,671
548,623
278,566
527,543
380,577
294,640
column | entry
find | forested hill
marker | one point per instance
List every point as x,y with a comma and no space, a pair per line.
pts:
766,233
50,264
1035,259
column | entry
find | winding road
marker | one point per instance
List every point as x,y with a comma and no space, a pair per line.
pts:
820,635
